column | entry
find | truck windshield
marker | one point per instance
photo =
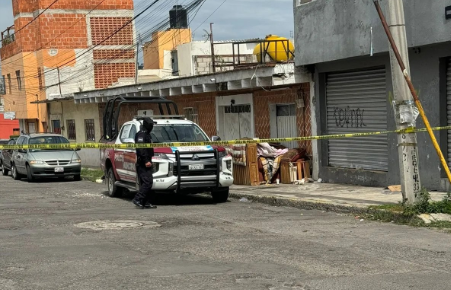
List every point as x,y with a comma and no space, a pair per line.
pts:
48,140
177,133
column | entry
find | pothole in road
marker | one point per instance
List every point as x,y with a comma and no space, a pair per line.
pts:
117,225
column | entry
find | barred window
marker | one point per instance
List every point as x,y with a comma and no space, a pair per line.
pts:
71,133
191,114
90,130
56,124
19,80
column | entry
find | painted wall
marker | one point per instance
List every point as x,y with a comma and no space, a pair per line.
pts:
7,127
68,110
190,61
332,30
162,41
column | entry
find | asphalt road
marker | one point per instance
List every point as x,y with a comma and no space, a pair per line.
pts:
68,235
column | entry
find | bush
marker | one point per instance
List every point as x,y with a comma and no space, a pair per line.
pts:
425,205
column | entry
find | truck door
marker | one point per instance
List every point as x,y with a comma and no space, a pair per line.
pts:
125,159
130,156
119,153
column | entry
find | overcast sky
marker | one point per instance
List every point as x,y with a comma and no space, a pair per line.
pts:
235,19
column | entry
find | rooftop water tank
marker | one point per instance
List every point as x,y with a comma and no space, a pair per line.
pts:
280,49
178,17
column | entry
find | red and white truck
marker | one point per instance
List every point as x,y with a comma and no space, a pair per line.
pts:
184,170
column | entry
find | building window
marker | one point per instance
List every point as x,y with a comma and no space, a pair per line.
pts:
2,86
90,130
9,83
191,114
71,134
19,80
56,125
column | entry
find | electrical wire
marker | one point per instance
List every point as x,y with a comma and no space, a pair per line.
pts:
45,45
162,23
34,19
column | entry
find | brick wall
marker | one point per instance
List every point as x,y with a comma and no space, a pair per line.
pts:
33,5
106,74
63,31
103,27
263,100
204,104
114,54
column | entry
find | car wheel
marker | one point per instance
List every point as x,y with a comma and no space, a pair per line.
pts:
14,173
4,171
77,177
220,195
30,177
113,189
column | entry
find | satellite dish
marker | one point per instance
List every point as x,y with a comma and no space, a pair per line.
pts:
207,36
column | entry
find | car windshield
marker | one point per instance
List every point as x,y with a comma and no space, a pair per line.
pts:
178,133
48,140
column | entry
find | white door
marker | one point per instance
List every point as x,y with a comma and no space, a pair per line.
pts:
237,122
31,128
286,124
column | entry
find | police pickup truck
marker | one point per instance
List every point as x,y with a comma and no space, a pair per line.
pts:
184,170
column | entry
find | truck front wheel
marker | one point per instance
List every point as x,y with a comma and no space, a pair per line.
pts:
113,189
220,195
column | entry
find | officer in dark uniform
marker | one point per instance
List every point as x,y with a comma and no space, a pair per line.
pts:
144,165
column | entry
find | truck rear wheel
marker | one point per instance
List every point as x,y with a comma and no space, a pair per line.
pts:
113,189
220,195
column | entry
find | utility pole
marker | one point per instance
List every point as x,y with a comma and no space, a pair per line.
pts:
138,42
59,81
213,61
403,104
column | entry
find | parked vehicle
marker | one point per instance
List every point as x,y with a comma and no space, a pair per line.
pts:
186,170
5,158
34,163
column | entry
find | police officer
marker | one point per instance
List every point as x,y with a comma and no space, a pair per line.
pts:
144,165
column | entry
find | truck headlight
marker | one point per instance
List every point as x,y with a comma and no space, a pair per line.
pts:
229,165
170,168
161,155
222,154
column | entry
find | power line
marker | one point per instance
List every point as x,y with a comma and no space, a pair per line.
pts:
42,46
125,48
159,25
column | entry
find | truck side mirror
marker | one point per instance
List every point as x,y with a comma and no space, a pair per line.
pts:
215,138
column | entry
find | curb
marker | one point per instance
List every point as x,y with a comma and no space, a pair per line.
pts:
302,204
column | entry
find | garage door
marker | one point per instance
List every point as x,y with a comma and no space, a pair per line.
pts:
357,102
448,108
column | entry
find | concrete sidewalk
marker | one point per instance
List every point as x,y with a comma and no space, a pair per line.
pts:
323,196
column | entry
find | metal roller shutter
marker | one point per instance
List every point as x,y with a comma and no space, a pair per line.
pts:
448,108
357,102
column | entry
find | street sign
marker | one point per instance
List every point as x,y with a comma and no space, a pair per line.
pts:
9,115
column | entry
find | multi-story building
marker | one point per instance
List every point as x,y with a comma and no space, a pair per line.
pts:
344,46
67,47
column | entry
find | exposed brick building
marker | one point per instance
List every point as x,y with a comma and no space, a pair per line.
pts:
63,51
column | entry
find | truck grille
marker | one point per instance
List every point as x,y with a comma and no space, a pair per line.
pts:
210,161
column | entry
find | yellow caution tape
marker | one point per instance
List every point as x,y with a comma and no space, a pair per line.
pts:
219,143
